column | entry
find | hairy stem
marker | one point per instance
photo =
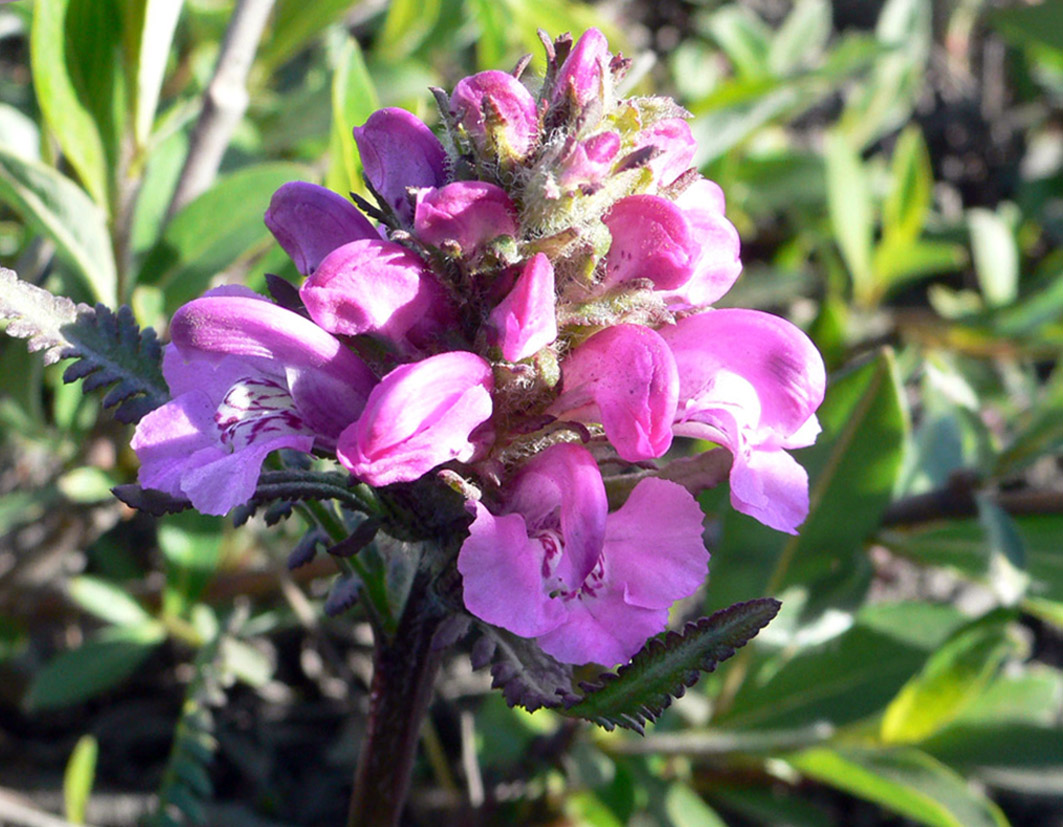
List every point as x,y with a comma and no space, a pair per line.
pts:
404,671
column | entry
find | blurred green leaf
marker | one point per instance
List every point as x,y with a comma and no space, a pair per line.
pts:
743,36
492,42
157,23
1007,552
911,181
69,116
906,781
107,601
885,99
97,665
685,808
354,99
845,679
86,484
897,261
801,38
295,24
767,807
58,209
949,681
191,545
19,134
407,24
851,211
79,777
996,256
215,230
1038,23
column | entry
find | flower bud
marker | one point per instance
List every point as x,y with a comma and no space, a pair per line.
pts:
309,222
468,213
398,151
498,113
525,322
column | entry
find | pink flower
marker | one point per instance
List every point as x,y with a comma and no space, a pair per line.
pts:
497,112
419,416
309,222
379,287
524,322
556,566
751,382
675,142
584,76
716,265
469,213
399,152
247,378
589,162
624,377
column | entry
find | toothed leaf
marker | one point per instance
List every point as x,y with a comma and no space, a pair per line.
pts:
526,675
663,669
110,347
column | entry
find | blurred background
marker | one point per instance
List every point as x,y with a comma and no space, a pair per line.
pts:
895,170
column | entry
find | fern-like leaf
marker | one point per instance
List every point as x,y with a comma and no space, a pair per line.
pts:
111,350
667,665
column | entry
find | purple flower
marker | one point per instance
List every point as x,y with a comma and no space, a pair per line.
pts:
419,416
376,286
624,377
716,265
498,114
589,161
398,152
675,142
309,222
525,322
247,377
584,76
469,213
651,240
588,585
751,382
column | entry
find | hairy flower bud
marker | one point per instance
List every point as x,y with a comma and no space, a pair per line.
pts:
498,114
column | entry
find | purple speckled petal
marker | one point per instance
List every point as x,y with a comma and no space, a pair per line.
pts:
501,567
561,490
652,239
673,138
398,151
309,222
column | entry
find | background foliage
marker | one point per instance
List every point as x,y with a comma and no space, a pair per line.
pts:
896,172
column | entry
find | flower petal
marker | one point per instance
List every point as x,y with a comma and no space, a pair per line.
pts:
605,630
309,222
377,286
562,488
770,486
584,76
775,357
626,378
651,240
512,122
398,151
501,569
525,321
419,416
654,552
470,213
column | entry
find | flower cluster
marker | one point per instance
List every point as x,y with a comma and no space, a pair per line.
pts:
532,300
